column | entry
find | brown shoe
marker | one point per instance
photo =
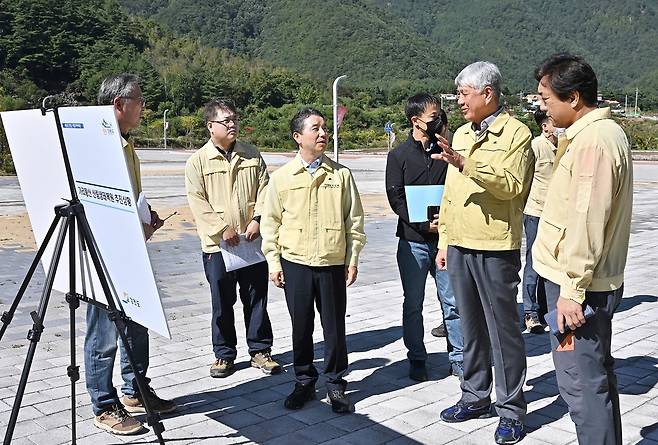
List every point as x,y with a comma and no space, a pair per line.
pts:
116,420
135,404
222,368
533,324
264,362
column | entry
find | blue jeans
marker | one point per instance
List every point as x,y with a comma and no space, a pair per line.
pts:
415,260
100,352
534,297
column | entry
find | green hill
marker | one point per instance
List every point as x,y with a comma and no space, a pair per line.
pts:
617,38
380,42
323,39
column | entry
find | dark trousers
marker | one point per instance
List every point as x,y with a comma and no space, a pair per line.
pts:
323,287
485,285
253,282
586,376
534,297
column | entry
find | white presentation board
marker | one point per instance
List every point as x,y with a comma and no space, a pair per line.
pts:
98,164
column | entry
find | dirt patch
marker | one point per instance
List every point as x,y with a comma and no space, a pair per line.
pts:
16,231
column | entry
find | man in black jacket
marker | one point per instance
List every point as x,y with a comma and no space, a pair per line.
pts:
410,164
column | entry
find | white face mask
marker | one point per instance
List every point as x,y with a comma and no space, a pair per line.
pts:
557,132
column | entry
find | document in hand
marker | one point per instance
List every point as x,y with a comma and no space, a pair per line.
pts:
244,254
143,209
551,320
419,198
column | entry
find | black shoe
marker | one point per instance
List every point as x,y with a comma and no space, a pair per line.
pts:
339,401
439,331
417,370
532,324
463,411
299,396
509,431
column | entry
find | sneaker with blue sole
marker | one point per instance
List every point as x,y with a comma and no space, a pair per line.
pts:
463,411
509,431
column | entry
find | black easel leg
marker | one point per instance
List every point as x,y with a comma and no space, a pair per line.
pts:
9,315
34,335
73,371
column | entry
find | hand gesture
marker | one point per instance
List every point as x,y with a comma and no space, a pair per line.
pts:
231,236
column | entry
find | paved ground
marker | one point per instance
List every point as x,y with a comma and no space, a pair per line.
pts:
247,407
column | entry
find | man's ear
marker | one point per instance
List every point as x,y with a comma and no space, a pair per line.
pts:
118,104
575,99
488,94
414,122
297,137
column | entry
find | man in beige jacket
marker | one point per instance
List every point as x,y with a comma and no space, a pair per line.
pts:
112,414
480,228
582,244
225,182
544,148
312,237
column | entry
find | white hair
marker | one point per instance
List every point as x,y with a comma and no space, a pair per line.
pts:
120,85
479,75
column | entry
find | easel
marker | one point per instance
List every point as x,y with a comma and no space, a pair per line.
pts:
71,217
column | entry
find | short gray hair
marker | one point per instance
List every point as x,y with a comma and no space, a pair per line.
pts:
479,75
120,85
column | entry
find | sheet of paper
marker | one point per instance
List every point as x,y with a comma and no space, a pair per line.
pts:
143,209
419,197
244,254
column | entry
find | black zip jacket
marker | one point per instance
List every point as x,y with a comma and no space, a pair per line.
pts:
410,164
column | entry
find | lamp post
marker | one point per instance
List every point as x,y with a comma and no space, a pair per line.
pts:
336,116
165,124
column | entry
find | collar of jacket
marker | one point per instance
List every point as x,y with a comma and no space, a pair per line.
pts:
326,164
212,152
583,122
553,146
414,142
496,126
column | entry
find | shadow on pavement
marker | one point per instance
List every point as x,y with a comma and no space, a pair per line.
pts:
635,376
630,302
254,409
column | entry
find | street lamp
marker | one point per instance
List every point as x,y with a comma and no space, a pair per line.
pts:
165,125
336,116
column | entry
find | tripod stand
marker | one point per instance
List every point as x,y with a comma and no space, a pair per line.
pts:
72,220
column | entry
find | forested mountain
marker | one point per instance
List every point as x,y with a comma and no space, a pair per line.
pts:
273,56
379,41
321,38
619,38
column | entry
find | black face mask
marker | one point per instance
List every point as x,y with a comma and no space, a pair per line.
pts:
434,127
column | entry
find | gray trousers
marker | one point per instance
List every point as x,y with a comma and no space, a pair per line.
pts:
485,285
586,376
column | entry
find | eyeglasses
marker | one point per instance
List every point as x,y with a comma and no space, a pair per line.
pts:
234,119
141,99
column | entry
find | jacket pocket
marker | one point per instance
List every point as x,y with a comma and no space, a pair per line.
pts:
487,220
554,235
291,239
332,240
214,169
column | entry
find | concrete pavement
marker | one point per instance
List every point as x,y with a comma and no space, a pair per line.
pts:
247,407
